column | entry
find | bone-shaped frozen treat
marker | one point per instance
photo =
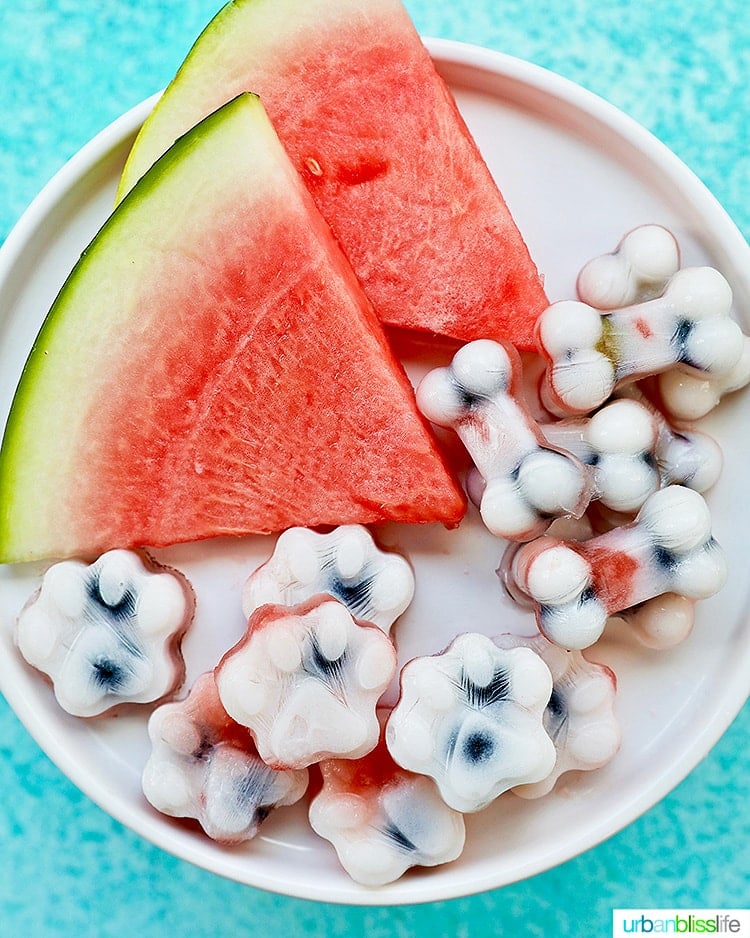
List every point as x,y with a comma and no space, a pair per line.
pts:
634,451
526,482
109,632
661,622
575,587
374,585
382,820
579,717
619,442
637,270
590,352
471,719
204,765
687,396
305,680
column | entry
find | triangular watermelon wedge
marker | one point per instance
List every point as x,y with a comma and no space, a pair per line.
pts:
377,137
212,366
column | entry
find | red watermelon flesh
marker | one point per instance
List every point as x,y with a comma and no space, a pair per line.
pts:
380,143
213,367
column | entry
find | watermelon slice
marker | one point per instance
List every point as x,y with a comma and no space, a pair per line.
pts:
377,137
212,366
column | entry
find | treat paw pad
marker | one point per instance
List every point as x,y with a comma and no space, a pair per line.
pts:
306,680
590,352
107,633
576,586
382,820
579,717
374,585
525,482
471,719
205,766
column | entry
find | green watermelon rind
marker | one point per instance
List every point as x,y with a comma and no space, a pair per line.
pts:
20,445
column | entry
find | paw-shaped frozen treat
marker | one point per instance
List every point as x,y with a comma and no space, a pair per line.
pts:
204,765
109,632
526,482
687,396
575,586
637,270
471,719
374,585
590,352
382,820
579,717
306,680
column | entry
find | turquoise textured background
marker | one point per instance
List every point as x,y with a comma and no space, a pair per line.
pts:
67,68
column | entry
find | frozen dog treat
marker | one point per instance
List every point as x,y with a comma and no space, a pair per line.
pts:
109,632
633,451
204,765
619,442
374,585
576,586
471,719
637,270
306,680
382,820
687,396
590,352
525,481
661,622
579,717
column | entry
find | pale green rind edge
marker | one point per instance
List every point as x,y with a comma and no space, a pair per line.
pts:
18,446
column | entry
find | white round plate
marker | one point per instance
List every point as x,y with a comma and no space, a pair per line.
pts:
577,175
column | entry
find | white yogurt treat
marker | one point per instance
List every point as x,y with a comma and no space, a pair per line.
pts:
579,717
634,451
306,680
687,396
471,719
383,820
375,585
637,270
619,442
109,632
589,352
203,765
524,481
576,586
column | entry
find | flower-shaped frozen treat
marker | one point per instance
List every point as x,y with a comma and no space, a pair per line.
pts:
590,352
108,633
471,719
575,586
382,820
579,717
374,585
306,680
204,765
525,481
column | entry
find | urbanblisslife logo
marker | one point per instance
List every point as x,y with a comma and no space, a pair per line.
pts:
732,923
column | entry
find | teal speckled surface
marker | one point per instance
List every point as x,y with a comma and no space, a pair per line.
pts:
67,68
